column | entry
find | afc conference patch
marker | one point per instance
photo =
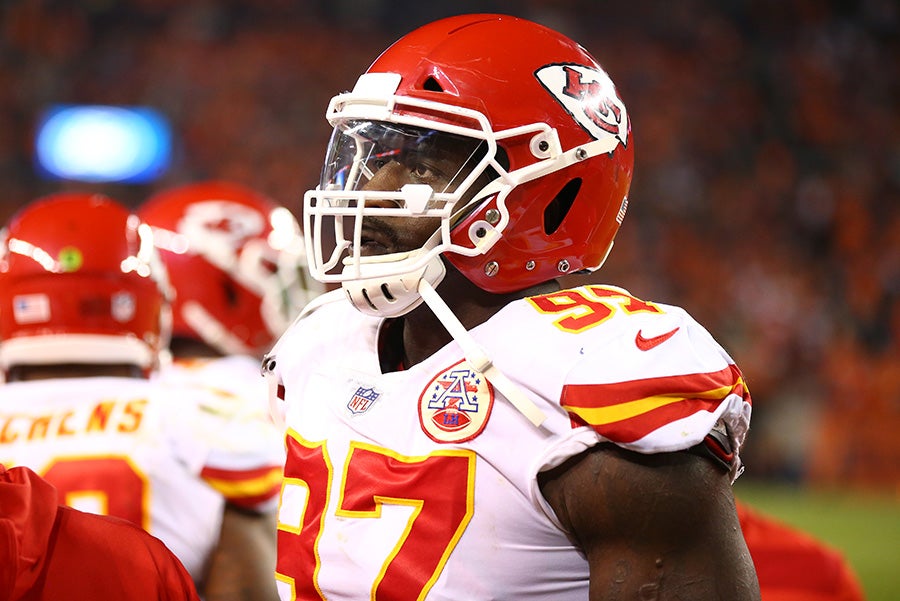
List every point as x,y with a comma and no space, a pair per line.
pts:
456,404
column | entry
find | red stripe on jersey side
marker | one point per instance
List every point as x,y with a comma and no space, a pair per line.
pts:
633,429
255,501
607,395
237,475
627,411
246,488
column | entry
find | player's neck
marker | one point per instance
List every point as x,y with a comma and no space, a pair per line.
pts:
26,373
424,334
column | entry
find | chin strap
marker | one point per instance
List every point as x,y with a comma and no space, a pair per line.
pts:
477,358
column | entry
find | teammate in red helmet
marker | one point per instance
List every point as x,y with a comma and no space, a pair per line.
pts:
236,260
85,319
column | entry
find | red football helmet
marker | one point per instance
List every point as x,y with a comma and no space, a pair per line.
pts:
236,261
531,137
80,282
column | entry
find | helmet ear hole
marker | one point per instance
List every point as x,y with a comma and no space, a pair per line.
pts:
432,85
230,292
558,208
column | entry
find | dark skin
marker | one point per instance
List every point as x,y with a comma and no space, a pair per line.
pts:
242,566
23,373
652,527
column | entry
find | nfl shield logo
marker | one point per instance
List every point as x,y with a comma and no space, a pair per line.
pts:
362,400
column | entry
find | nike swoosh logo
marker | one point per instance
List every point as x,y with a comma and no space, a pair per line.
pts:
645,344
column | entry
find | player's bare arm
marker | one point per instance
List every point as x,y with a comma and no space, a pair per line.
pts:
653,527
242,565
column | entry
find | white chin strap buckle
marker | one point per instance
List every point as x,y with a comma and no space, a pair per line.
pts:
383,292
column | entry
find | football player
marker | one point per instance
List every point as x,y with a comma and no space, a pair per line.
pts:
84,319
236,261
792,565
459,426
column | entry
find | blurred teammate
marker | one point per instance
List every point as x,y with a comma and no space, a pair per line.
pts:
84,318
235,260
50,551
459,427
793,565
237,263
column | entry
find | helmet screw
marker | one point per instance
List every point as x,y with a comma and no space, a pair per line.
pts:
563,266
581,154
529,265
491,269
543,145
492,216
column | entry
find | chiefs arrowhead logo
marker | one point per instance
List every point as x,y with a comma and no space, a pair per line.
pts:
588,94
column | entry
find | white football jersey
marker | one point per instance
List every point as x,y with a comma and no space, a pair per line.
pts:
234,376
165,457
422,483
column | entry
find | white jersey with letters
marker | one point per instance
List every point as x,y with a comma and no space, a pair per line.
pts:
422,483
164,457
232,376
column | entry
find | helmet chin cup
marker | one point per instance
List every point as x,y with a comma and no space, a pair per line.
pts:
382,292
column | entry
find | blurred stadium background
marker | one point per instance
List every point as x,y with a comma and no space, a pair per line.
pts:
766,196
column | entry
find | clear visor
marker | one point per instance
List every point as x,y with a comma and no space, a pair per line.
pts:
380,169
380,156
